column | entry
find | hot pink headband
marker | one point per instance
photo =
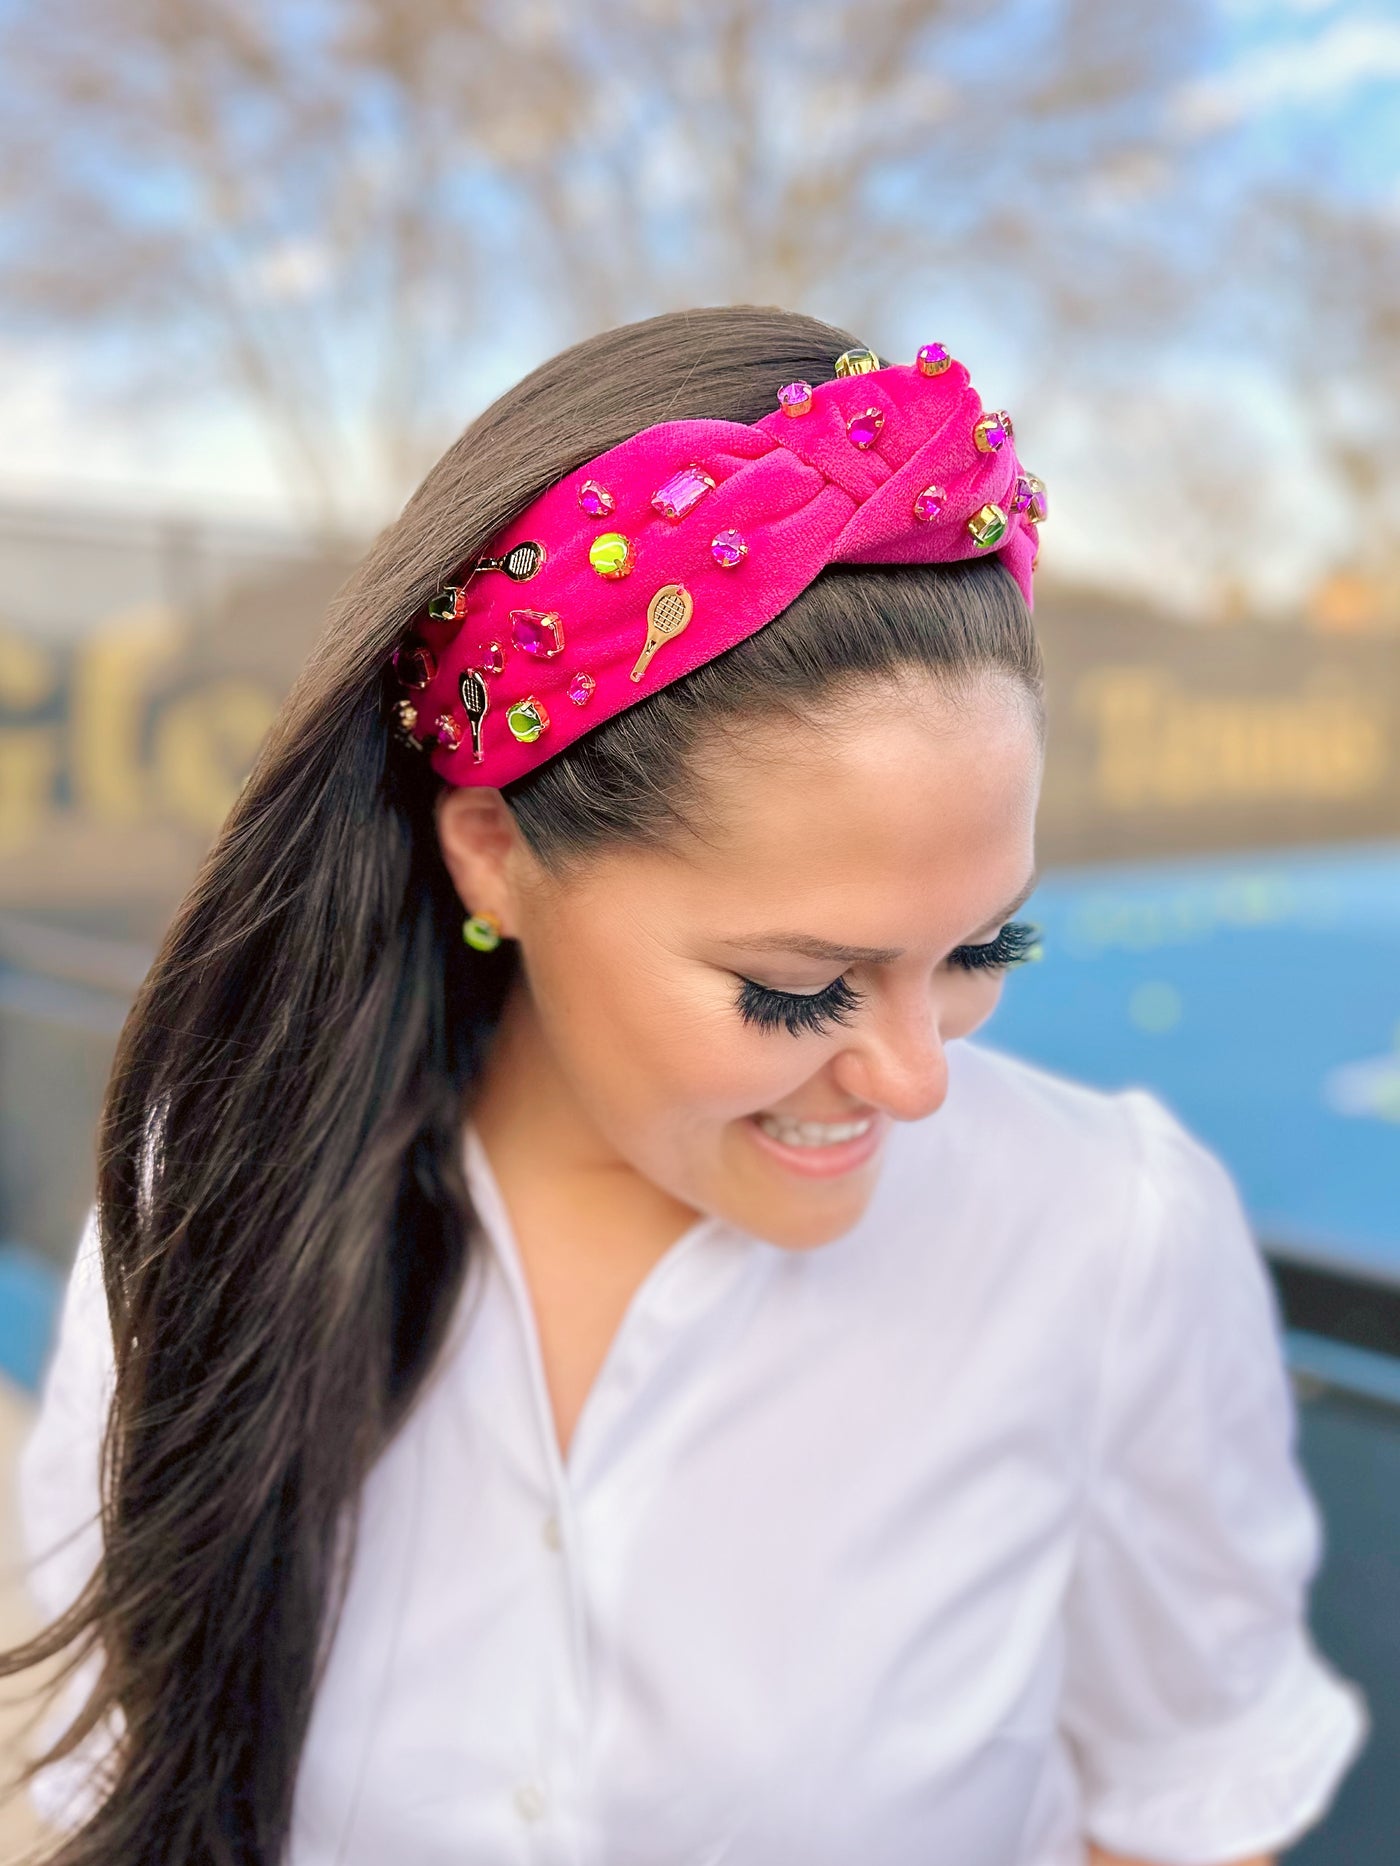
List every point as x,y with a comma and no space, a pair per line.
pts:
670,547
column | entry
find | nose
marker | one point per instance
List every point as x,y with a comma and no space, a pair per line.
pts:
896,1058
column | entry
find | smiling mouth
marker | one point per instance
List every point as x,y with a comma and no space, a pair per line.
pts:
795,1133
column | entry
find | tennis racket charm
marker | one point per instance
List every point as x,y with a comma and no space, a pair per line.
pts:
519,563
475,699
667,614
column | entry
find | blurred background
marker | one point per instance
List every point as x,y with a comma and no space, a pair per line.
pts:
260,262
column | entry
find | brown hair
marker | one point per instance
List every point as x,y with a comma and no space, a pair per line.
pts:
281,1202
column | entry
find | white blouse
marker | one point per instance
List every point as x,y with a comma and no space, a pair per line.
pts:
971,1533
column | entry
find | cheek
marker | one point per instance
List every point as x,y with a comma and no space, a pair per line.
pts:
644,1032
970,1001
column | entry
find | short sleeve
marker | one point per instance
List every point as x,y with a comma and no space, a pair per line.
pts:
59,1503
1205,1725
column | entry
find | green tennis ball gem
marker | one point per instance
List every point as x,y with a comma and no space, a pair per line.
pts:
988,526
527,719
611,554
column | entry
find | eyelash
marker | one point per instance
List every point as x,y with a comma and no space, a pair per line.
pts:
812,1011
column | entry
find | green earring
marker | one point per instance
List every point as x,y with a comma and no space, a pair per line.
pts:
482,931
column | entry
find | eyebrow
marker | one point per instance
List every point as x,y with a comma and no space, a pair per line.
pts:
813,948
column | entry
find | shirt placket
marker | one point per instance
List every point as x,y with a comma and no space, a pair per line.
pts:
552,1804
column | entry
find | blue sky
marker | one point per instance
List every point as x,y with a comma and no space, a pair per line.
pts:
1289,87
1309,83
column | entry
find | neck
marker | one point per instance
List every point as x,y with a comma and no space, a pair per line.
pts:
561,1179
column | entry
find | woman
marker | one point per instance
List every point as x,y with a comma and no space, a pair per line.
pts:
604,1371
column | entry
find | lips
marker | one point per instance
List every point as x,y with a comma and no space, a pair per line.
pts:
820,1162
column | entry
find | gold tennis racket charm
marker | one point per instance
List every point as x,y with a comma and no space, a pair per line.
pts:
667,614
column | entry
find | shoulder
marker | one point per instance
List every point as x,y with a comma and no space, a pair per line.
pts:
1130,1198
1006,1109
59,1462
1067,1184
1039,1104
1044,1138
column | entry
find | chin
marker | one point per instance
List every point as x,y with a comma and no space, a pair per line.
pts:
806,1230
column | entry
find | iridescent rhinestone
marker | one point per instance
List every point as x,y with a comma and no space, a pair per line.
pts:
990,433
407,714
493,658
933,359
611,554
1039,506
930,502
581,689
594,499
795,398
449,605
449,733
1009,425
857,362
862,430
1020,493
682,491
729,549
415,665
537,632
988,526
527,719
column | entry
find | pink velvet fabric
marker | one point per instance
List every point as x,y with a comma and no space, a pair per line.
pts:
798,490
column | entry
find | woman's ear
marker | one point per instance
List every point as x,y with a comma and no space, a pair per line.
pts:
478,839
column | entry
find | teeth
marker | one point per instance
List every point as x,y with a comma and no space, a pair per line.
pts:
811,1133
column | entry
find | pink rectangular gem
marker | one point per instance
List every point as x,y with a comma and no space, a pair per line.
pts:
682,491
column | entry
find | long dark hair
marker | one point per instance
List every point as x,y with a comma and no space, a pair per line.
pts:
282,1208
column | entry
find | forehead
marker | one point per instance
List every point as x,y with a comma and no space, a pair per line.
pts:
902,795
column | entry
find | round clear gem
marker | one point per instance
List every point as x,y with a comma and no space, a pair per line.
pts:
595,499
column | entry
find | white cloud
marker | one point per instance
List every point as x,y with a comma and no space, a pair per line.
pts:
1322,71
292,269
56,447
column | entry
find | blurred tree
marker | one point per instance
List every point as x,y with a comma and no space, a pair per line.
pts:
1337,328
337,209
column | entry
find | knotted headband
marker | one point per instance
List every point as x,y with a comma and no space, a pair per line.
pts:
667,549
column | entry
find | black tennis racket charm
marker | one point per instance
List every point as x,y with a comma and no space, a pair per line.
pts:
520,563
476,700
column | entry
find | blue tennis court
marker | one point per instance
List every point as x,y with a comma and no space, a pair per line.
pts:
1260,996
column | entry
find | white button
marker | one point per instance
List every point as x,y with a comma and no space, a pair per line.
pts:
553,1535
529,1801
